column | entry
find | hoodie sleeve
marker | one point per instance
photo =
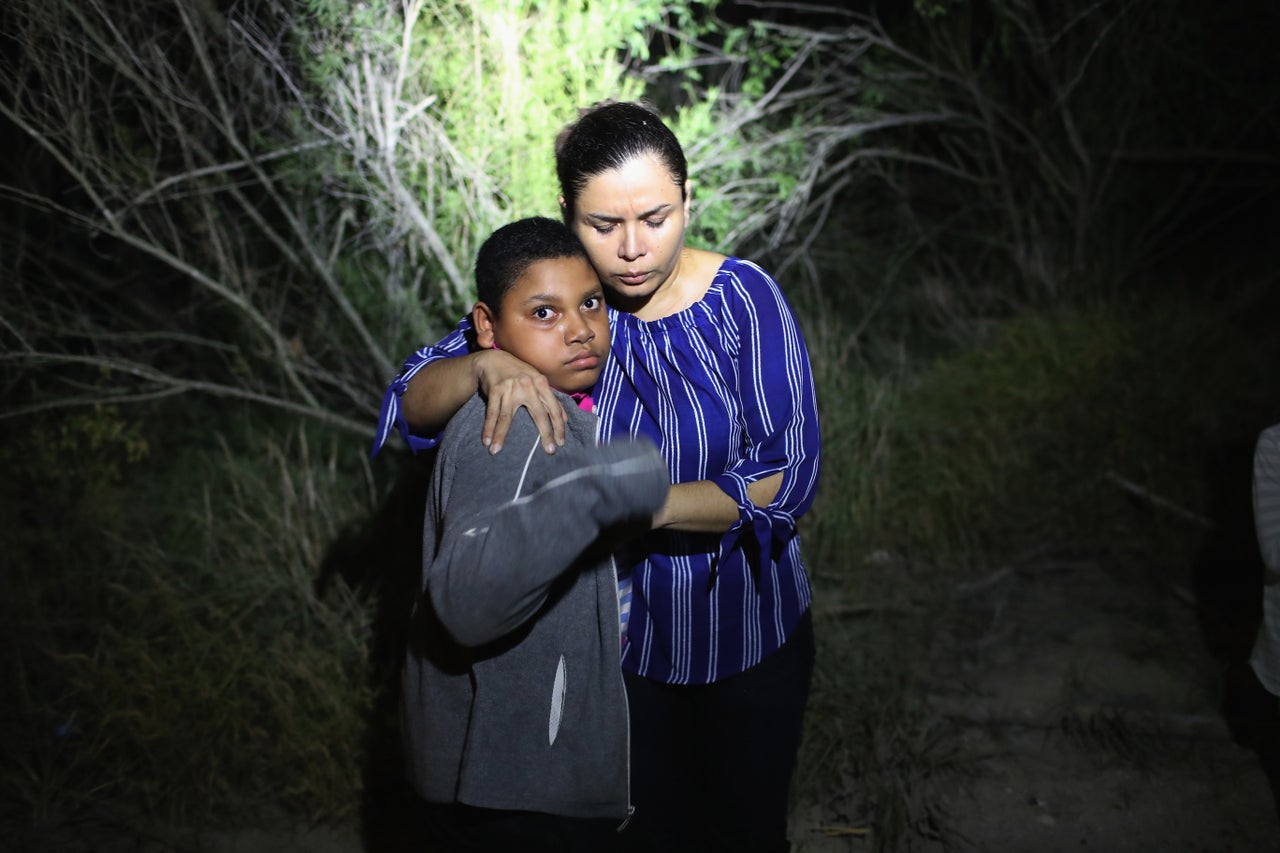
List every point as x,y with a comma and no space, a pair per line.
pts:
517,521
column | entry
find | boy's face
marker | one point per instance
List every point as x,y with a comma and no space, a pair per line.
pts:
553,319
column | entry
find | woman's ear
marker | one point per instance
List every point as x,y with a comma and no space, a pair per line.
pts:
482,320
688,198
564,208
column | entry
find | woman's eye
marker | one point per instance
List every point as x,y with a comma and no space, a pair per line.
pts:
603,229
655,223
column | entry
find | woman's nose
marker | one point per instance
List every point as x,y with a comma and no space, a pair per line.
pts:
632,245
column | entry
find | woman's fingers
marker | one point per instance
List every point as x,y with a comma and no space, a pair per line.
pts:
549,418
535,395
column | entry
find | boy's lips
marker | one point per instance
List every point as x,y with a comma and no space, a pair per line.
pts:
584,360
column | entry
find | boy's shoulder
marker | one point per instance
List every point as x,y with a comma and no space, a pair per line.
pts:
465,467
461,438
470,415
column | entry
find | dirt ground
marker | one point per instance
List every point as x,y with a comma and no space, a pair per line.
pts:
1081,701
1090,712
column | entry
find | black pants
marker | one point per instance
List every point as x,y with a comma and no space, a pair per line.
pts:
456,828
711,765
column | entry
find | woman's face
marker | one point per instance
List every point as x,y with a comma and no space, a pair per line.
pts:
632,221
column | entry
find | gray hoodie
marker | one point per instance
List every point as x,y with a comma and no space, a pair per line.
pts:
513,693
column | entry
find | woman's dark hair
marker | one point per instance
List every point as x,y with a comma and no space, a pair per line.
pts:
605,136
513,248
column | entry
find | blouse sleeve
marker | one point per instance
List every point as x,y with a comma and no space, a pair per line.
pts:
779,410
457,342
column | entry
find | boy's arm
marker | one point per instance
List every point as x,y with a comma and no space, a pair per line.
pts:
503,543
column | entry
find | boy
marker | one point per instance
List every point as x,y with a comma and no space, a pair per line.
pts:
514,711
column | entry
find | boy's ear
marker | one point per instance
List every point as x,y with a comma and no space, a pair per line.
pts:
482,321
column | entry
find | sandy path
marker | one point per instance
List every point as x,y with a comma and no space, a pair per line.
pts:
1088,707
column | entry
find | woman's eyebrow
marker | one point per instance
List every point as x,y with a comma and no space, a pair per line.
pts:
600,217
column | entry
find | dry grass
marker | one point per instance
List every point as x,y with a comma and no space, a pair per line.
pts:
171,656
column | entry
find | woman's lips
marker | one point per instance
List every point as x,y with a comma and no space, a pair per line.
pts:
633,278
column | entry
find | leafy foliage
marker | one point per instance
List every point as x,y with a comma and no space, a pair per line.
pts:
450,110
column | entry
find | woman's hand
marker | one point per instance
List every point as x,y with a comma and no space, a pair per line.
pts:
507,384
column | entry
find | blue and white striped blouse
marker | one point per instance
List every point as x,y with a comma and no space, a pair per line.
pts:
724,388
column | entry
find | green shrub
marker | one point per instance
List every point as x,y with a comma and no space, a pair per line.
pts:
1070,429
172,657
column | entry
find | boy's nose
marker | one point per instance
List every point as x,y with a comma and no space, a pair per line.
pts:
578,330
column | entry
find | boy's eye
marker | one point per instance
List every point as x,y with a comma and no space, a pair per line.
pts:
591,303
543,313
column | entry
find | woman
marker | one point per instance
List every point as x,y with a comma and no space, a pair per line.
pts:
708,362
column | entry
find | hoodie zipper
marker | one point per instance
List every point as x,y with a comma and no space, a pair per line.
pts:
626,705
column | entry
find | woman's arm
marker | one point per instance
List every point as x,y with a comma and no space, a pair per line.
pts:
703,507
439,390
774,481
437,380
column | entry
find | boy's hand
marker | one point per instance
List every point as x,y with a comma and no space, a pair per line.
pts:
507,384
